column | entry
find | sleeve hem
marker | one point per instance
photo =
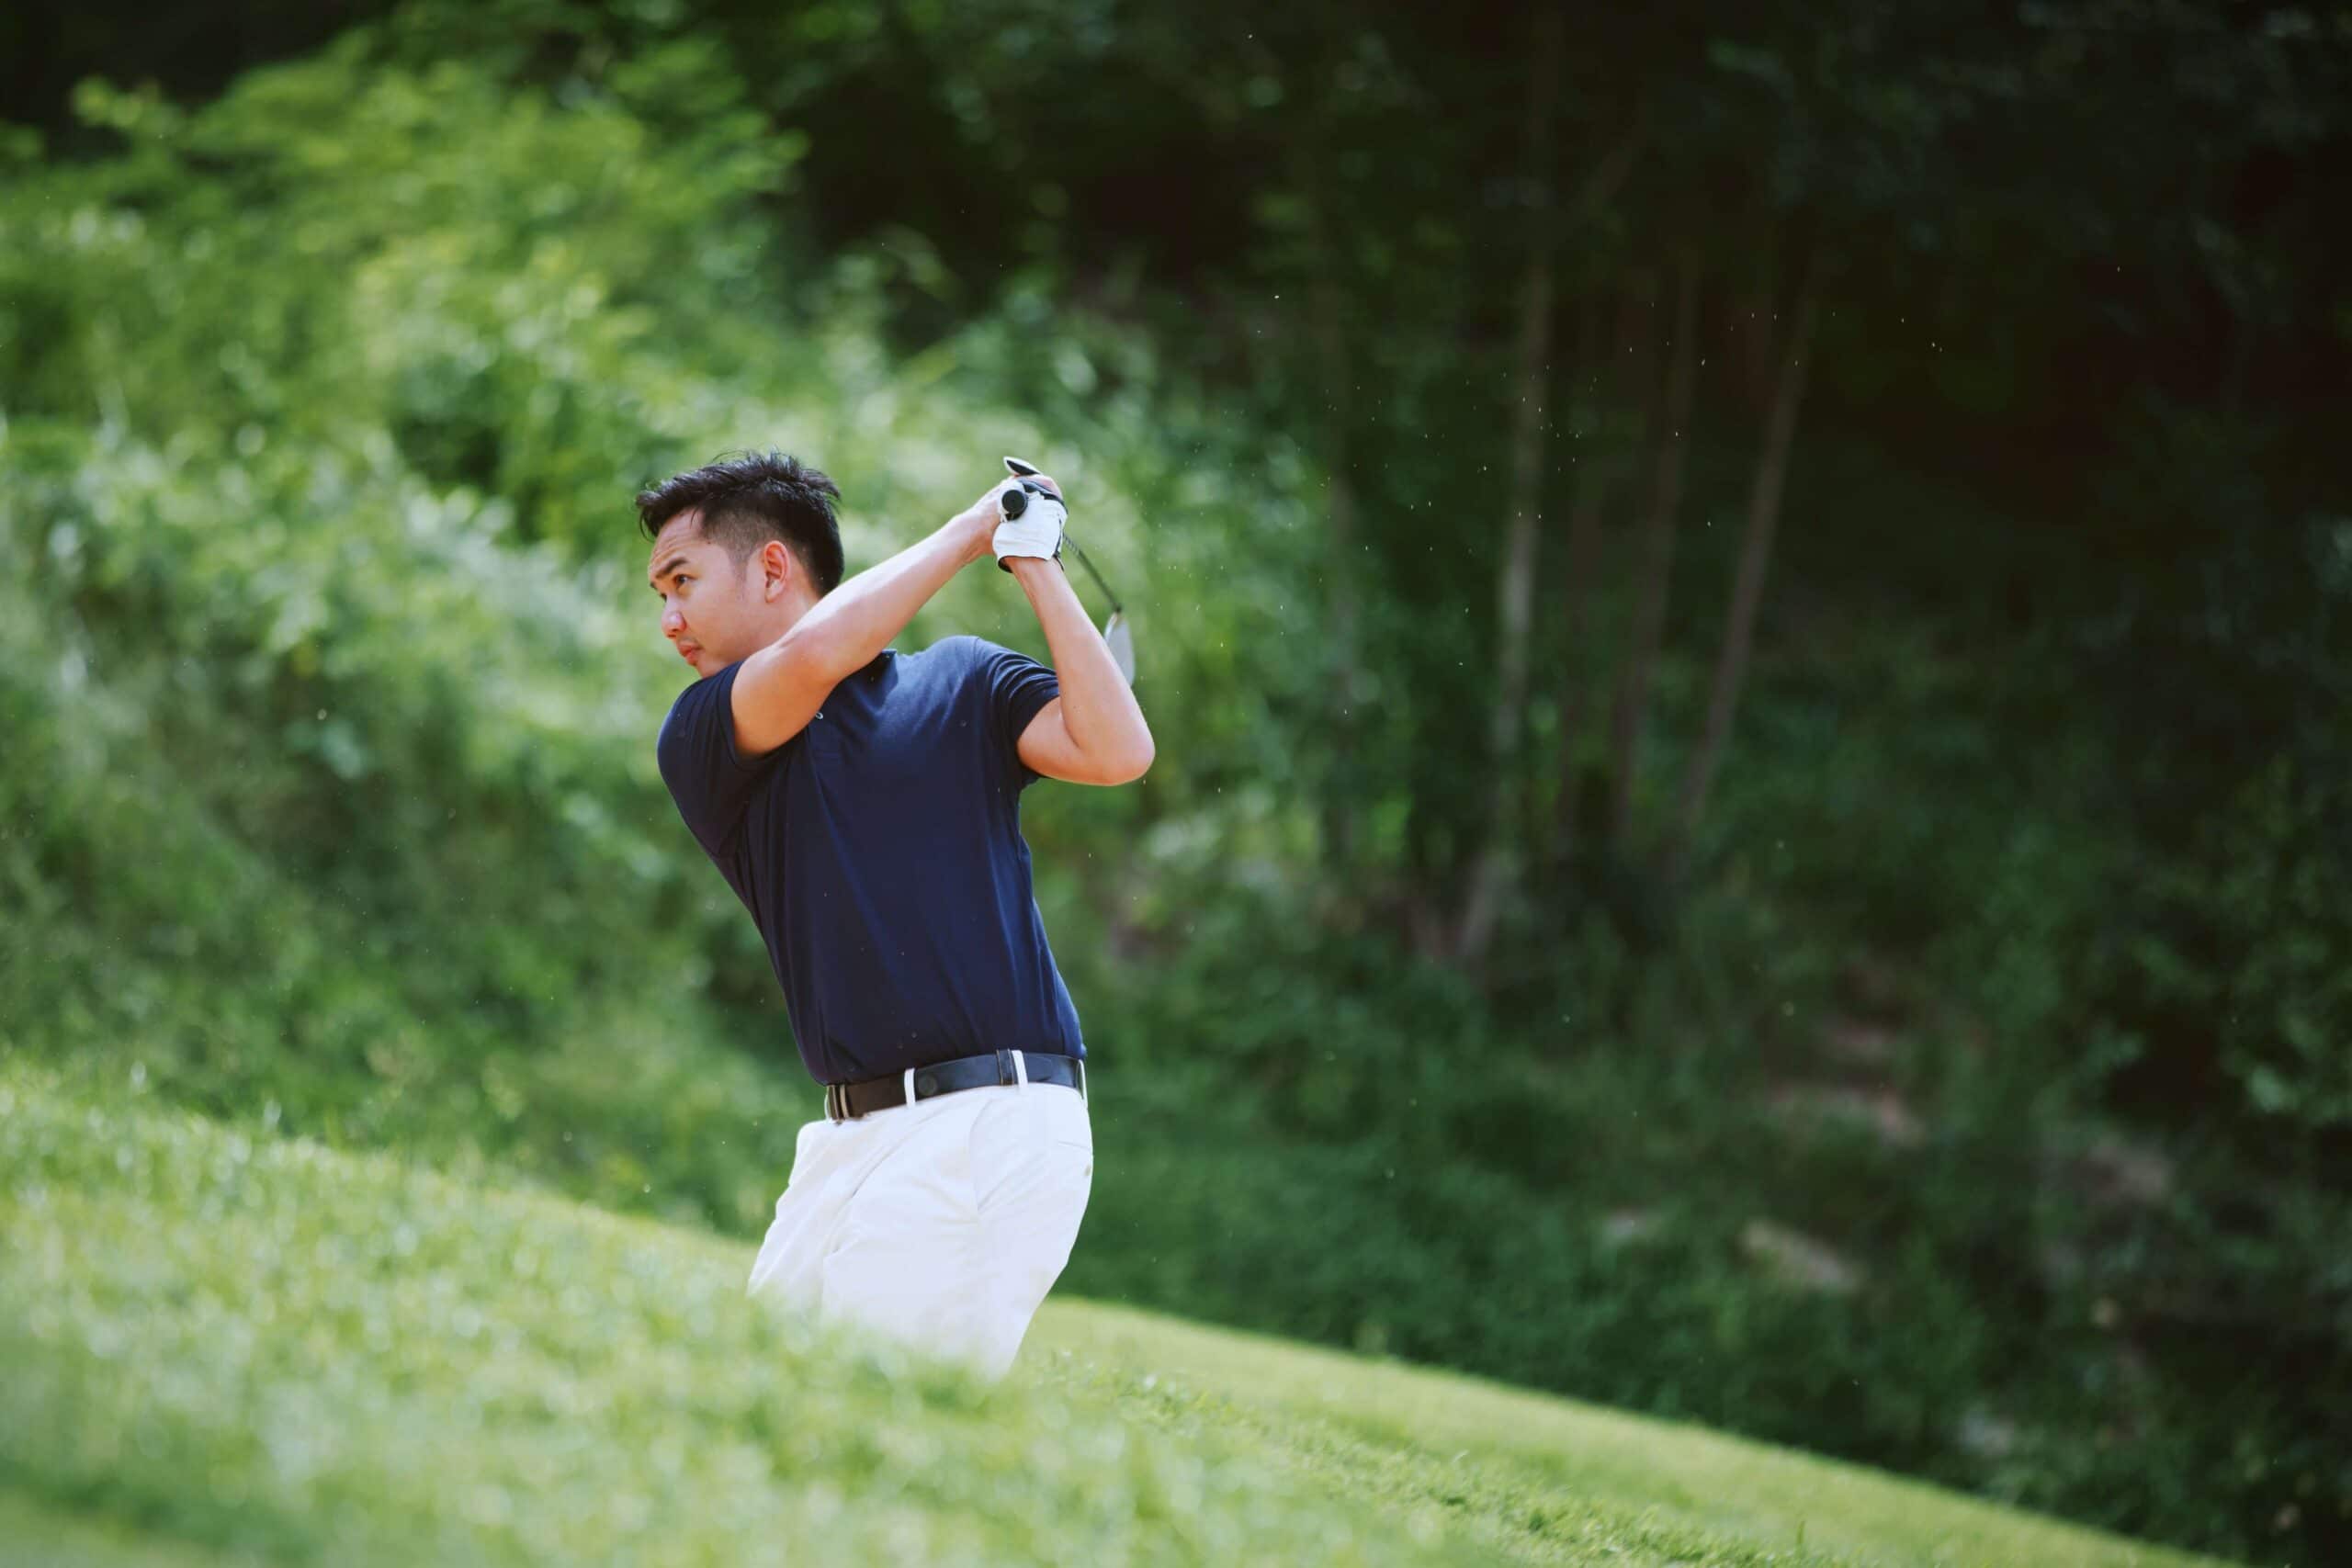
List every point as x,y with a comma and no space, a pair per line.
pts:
1021,722
726,721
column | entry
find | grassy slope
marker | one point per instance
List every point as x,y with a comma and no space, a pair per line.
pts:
217,1349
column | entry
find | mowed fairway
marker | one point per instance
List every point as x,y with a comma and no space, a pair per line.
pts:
222,1348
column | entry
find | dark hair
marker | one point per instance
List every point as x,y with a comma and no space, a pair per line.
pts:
748,500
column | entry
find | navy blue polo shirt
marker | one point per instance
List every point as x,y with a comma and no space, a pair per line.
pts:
879,852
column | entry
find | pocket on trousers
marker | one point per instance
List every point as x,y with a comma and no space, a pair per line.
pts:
1073,1137
1064,1115
1070,1162
1023,1138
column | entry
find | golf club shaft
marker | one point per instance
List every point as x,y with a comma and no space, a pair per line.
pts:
1071,545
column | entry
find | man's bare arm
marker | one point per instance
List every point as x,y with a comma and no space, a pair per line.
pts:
780,687
1094,732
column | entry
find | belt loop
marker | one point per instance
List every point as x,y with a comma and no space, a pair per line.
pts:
910,1081
1021,1068
1079,1062
833,1113
1004,1066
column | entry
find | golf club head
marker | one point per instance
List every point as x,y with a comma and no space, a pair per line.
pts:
1121,641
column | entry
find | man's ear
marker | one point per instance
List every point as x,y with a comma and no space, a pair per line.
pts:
776,569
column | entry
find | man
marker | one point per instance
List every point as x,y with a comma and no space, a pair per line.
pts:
864,805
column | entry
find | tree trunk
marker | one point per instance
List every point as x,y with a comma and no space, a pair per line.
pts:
1657,561
1327,347
1515,585
1340,501
1758,342
1747,588
1627,369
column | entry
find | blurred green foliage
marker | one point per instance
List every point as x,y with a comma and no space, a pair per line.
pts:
1975,1107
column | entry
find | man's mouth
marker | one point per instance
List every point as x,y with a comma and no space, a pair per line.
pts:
686,650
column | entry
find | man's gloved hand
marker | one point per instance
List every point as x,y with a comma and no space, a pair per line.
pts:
1033,515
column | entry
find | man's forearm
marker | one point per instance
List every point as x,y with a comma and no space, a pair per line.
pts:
1098,709
849,627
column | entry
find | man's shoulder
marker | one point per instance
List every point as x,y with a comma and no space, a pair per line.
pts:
969,651
961,658
963,647
693,699
697,734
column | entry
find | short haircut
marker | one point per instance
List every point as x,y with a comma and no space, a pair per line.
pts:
750,498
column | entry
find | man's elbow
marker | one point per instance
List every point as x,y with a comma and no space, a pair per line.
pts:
1131,764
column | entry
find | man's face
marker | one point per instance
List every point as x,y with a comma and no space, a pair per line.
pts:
704,610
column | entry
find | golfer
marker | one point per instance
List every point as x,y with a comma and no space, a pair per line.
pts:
864,805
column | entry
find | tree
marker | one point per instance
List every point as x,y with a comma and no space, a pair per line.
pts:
1656,566
1748,589
1515,581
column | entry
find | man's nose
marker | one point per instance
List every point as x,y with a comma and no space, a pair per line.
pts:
673,623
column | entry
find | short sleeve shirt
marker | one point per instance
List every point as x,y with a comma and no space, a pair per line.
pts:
879,852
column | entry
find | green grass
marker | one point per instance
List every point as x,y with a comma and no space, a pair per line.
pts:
217,1349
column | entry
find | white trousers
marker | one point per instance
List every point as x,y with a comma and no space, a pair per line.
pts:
940,1225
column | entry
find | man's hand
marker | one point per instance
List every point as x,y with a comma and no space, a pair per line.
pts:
980,520
1036,532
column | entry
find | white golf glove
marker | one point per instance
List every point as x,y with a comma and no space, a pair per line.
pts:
1036,532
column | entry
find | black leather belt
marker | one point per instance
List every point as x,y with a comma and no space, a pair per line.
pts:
846,1101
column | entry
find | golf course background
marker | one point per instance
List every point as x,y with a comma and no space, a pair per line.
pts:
1965,1089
